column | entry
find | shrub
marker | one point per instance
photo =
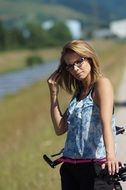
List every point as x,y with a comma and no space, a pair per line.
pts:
34,60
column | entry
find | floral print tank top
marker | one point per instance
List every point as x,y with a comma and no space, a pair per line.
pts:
84,137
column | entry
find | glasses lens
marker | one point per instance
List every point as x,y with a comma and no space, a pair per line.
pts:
70,67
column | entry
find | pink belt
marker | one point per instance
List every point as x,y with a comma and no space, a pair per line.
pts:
77,161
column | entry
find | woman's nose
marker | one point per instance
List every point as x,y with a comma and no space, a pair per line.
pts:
75,68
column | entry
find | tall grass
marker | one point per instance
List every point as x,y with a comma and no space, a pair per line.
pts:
27,132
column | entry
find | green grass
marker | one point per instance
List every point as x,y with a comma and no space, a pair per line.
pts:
27,132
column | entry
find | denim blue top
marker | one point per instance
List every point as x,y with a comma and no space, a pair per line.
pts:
84,137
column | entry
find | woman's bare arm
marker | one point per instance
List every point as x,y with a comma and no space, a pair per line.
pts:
59,120
104,98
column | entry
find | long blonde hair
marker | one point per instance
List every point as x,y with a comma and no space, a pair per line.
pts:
82,48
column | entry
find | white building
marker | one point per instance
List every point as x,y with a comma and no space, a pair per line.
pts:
48,24
119,28
103,33
75,28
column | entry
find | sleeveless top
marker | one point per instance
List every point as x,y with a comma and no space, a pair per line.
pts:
84,136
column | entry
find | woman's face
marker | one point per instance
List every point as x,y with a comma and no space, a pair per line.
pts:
78,66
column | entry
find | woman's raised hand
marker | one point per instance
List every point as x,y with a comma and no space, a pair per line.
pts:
53,82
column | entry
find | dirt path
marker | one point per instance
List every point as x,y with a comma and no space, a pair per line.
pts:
121,121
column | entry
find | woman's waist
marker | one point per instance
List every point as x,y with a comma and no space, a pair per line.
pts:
81,160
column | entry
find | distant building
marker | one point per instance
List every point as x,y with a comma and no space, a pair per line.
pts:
48,24
73,25
119,28
75,28
103,33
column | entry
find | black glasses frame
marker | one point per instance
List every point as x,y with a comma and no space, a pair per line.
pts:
70,67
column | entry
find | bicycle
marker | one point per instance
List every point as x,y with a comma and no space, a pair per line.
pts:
115,179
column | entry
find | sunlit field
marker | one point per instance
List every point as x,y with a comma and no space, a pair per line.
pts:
16,59
26,131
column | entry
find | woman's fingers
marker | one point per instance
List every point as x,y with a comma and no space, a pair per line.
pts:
103,166
53,82
113,167
54,78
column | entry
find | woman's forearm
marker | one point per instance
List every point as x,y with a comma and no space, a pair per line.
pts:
57,118
109,142
56,115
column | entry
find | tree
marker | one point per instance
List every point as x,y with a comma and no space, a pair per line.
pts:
2,36
37,36
60,33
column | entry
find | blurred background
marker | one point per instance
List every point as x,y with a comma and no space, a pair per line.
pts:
32,34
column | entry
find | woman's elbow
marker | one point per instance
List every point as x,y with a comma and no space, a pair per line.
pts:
60,132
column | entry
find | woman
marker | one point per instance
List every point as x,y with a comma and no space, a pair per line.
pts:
89,119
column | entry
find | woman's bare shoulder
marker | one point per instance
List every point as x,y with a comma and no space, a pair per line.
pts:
103,89
103,82
103,85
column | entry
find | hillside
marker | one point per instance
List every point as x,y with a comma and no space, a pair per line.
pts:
15,11
98,12
106,10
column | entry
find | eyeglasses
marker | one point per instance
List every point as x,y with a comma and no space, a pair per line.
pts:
70,67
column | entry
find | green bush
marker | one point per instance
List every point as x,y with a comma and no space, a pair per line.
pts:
34,60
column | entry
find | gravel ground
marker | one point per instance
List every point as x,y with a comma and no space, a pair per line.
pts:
120,113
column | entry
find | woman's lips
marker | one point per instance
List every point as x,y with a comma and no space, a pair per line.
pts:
78,74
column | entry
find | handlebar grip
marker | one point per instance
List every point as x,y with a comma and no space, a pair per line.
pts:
48,160
120,130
